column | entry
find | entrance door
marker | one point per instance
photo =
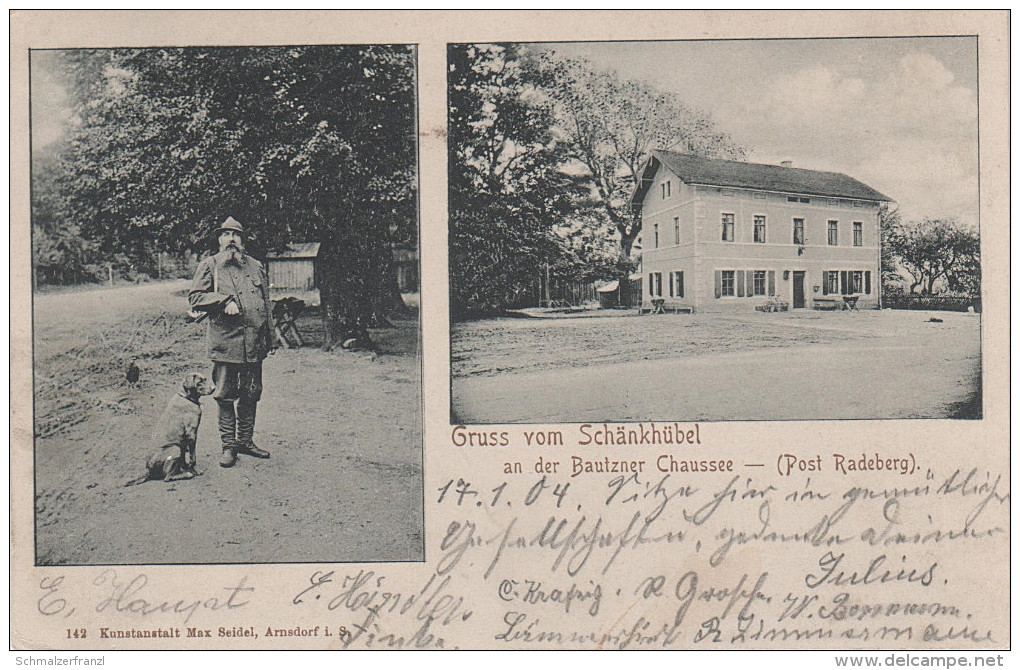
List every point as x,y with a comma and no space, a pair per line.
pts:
798,290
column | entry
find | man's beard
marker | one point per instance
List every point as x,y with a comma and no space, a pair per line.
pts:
233,251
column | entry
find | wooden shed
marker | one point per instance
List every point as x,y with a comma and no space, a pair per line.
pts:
293,267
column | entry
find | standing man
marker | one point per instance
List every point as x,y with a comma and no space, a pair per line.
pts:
233,290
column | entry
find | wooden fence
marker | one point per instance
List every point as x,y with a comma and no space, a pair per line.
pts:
561,293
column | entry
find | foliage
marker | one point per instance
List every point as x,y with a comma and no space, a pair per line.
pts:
889,223
59,253
937,255
507,190
544,154
298,143
950,302
586,251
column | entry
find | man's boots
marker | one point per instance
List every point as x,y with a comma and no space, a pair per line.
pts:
246,429
227,425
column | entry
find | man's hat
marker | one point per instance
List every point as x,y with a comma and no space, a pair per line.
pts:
232,224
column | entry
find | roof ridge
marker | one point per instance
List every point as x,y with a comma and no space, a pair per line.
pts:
745,174
769,165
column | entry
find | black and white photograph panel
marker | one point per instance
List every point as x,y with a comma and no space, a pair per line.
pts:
717,230
226,349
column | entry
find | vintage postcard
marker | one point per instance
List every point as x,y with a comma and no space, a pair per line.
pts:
511,330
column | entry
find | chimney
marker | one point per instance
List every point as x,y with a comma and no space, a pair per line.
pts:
787,164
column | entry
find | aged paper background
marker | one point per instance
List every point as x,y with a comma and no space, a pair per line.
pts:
683,591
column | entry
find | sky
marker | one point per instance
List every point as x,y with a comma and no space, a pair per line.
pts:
49,103
899,114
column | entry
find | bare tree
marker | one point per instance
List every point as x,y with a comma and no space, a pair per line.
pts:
612,126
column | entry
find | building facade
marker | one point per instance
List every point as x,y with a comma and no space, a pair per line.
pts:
723,235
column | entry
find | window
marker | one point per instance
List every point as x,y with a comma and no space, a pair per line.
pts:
759,229
759,282
666,189
857,281
676,284
655,284
655,229
794,198
846,282
832,282
798,231
760,196
858,203
727,227
833,233
728,282
676,230
858,234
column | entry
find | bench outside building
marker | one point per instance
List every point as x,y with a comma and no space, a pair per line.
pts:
722,235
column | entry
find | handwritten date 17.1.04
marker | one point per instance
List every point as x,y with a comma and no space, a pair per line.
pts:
460,492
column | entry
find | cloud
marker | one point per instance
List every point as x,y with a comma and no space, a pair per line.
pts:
910,130
811,96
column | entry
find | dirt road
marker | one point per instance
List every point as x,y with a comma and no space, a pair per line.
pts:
867,365
343,483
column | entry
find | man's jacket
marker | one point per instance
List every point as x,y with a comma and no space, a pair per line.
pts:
244,337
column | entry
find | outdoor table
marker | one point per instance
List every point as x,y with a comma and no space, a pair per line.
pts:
657,305
850,302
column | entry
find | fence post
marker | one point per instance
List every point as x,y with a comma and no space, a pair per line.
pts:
546,285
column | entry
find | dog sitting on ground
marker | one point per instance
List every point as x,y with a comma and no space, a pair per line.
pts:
173,440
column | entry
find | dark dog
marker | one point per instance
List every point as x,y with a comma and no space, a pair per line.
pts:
173,440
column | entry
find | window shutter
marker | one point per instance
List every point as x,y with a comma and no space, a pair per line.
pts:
867,282
844,286
718,283
825,282
671,284
750,283
651,284
740,283
680,283
772,282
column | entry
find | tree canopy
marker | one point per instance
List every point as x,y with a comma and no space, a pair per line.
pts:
299,143
507,191
544,155
936,254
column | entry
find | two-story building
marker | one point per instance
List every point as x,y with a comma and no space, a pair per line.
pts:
720,235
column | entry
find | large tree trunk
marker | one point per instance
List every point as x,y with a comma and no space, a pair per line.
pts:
626,267
346,294
392,302
388,302
358,288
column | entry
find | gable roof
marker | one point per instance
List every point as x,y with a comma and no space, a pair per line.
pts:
296,250
737,174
